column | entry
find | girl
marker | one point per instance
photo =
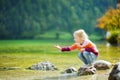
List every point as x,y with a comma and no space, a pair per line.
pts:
88,51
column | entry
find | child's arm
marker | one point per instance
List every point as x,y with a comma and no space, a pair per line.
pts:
62,48
58,47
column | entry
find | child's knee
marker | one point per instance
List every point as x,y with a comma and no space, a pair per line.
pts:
85,53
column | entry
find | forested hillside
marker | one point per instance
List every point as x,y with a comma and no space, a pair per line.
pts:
21,19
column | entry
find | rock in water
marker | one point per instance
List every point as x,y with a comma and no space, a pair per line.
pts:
86,70
70,70
115,73
43,66
102,65
10,68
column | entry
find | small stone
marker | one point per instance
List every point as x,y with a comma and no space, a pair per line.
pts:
70,70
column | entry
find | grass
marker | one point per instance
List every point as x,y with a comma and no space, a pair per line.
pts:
24,53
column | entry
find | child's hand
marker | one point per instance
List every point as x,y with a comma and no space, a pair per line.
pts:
58,47
83,49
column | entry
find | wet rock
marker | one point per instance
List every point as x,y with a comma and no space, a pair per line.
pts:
43,66
115,73
86,70
102,65
10,68
70,70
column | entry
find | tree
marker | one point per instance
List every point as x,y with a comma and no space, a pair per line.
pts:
111,23
31,18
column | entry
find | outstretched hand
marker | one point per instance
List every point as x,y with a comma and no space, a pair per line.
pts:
58,47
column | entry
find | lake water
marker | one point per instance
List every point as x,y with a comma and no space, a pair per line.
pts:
108,53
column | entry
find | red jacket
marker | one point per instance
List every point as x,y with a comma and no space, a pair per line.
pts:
87,45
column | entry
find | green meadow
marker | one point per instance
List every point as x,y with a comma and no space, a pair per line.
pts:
21,54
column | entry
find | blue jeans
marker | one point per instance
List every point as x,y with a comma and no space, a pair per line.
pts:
87,57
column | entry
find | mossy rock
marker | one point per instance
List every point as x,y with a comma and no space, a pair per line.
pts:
114,38
86,70
43,66
102,65
115,73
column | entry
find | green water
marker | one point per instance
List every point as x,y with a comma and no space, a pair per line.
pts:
24,53
109,53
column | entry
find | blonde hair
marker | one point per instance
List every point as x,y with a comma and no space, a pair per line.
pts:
81,33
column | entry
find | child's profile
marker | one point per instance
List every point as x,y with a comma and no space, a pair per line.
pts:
87,49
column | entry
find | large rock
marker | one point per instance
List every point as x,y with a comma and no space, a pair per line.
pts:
102,65
86,70
43,66
115,73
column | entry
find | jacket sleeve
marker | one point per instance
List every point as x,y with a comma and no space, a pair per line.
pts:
74,46
65,49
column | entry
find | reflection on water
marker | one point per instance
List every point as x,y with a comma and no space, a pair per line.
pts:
62,76
109,53
100,75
